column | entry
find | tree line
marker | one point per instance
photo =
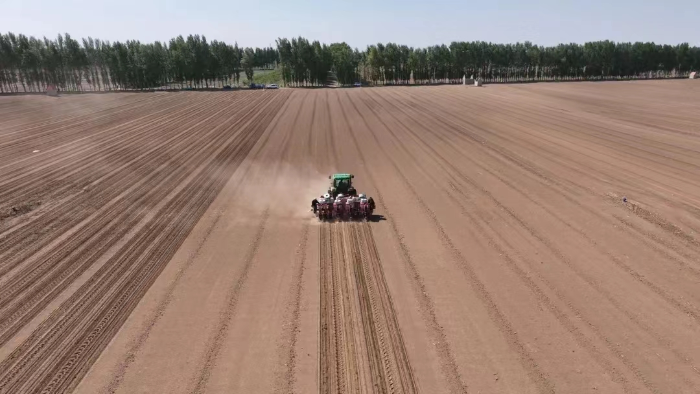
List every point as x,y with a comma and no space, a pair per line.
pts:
305,63
30,65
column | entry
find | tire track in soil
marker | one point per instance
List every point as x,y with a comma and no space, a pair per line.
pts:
135,154
448,364
112,293
34,132
214,347
61,349
361,346
188,211
140,341
137,165
543,151
137,117
285,382
13,149
526,359
679,304
83,163
95,226
498,242
625,267
204,373
82,111
384,314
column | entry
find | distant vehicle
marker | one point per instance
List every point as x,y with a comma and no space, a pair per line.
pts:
256,86
273,86
357,84
227,87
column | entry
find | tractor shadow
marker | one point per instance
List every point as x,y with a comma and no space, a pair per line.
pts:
376,218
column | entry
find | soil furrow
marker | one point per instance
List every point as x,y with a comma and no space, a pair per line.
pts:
205,186
448,364
90,232
527,239
362,349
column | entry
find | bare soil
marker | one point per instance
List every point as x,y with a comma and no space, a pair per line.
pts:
528,239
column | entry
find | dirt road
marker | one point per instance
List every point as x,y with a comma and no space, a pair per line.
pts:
529,239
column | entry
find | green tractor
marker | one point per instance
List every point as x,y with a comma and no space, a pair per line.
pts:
342,201
341,184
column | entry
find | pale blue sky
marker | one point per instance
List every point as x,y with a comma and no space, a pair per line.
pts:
410,22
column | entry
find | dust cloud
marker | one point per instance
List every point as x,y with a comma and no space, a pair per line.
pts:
284,189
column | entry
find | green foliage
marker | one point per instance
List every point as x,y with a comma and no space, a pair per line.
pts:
248,62
267,77
29,64
593,60
307,64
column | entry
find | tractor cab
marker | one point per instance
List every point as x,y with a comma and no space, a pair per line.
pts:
341,184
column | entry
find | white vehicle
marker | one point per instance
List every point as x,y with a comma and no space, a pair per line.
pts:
273,86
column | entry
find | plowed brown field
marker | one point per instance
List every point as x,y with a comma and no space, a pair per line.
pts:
162,242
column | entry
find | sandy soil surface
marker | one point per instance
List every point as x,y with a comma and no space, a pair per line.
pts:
528,239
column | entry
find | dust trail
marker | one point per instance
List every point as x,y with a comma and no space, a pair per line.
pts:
286,188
